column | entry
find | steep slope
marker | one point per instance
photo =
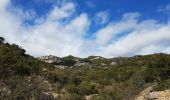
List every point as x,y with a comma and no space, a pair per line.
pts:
20,74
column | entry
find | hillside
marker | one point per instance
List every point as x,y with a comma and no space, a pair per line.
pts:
23,77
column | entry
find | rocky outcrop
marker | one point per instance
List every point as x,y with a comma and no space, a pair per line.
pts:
50,59
80,63
159,95
61,66
148,94
73,62
144,94
65,62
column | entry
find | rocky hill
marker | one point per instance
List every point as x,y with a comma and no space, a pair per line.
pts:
73,62
51,59
23,77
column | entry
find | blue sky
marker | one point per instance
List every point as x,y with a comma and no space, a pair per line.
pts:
87,27
115,8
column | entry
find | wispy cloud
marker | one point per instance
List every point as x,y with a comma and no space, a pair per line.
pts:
102,17
165,9
90,4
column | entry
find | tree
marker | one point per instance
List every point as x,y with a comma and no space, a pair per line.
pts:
2,40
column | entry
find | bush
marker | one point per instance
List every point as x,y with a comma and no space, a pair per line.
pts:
23,70
163,85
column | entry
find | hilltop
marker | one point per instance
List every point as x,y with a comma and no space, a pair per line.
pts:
24,77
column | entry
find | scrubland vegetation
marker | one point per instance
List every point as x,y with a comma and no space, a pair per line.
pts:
23,77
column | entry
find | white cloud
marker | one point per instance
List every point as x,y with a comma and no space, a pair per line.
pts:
150,49
3,4
26,16
52,35
165,9
140,41
62,12
106,34
102,17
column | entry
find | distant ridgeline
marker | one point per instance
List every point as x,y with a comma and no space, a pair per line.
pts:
23,77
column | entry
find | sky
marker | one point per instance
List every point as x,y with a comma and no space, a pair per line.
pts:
108,28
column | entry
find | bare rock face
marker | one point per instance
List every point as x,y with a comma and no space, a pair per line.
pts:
50,59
